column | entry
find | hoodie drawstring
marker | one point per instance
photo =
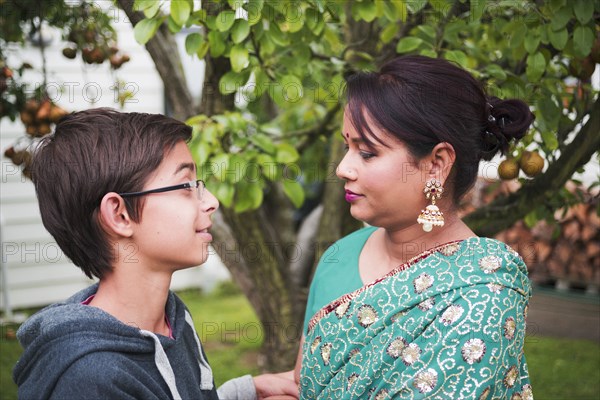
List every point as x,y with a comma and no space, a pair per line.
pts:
206,375
163,365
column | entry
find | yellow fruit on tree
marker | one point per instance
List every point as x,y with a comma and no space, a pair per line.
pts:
531,163
508,169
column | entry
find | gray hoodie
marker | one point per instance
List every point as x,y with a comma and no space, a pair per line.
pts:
74,351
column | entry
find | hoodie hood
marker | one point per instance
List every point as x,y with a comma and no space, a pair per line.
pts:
61,334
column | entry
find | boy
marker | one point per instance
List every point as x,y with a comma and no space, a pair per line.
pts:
119,194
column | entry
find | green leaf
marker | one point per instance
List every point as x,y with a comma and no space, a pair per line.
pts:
414,6
277,36
224,192
365,10
240,30
193,42
293,190
549,138
286,153
561,17
231,81
388,33
559,38
556,5
196,119
584,10
549,111
314,21
219,164
239,57
180,11
477,8
495,71
408,44
531,219
209,134
172,25
517,35
457,56
203,50
293,21
249,196
149,7
289,91
264,142
254,9
536,65
427,30
217,43
583,39
532,40
270,169
203,150
146,28
428,53
225,20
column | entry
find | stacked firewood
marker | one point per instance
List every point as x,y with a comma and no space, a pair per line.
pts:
570,259
567,254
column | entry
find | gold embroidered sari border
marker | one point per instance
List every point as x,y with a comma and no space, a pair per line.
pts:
349,296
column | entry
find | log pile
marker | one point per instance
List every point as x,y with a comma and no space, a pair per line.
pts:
566,255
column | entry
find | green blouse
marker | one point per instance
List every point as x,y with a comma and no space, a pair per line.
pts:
338,264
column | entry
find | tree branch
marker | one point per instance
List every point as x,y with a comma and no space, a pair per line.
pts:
163,50
504,211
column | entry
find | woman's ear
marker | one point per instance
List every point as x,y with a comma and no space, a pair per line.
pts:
114,217
441,160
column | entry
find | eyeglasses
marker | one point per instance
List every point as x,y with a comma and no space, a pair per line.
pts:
197,184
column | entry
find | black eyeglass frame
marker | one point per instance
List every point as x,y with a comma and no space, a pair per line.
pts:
187,185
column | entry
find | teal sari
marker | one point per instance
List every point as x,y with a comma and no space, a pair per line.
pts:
449,324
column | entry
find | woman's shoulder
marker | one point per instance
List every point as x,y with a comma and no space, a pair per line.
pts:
493,261
484,247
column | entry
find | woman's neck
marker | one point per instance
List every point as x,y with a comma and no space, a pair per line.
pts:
404,244
387,248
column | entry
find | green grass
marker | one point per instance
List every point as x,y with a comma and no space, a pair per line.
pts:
559,368
563,369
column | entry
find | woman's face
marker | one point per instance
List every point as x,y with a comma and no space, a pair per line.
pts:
384,185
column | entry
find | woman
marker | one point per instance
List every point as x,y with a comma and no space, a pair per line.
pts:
417,305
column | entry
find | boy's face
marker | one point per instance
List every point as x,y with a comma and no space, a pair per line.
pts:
172,232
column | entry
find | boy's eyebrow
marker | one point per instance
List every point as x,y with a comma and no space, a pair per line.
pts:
182,166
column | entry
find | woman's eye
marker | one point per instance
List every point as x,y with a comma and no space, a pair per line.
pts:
366,155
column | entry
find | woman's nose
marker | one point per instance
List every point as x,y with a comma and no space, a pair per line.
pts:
344,170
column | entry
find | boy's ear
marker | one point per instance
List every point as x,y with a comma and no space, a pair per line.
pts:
441,160
114,217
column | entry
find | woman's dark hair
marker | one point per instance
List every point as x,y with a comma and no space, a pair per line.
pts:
92,153
424,101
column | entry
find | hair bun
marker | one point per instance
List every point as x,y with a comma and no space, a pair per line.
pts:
508,120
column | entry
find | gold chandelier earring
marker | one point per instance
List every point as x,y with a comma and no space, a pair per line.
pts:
432,216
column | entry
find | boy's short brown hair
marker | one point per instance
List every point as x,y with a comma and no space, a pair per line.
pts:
92,153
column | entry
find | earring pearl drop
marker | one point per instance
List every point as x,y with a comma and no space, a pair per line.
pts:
432,216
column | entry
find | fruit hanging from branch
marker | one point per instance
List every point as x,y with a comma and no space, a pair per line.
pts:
530,162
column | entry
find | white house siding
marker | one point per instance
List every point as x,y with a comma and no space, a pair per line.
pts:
37,273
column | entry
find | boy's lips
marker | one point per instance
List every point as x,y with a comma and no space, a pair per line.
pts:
204,232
